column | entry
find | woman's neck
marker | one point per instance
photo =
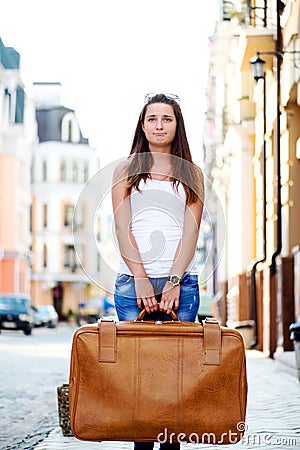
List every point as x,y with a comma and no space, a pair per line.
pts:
161,167
166,150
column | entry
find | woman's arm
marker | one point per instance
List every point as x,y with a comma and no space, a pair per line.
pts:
184,254
127,243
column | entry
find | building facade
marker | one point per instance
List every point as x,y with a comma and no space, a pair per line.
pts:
252,139
18,134
63,162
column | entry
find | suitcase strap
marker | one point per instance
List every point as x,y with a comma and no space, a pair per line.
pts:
212,345
107,340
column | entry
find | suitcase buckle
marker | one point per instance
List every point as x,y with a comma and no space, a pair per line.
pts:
211,320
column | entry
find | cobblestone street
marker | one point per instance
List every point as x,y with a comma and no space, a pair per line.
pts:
272,414
32,367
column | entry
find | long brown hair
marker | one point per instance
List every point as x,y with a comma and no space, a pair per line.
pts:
141,160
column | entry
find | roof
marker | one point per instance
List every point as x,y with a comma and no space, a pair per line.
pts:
49,121
9,57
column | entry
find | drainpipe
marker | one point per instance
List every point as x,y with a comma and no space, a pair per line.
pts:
253,291
279,10
273,283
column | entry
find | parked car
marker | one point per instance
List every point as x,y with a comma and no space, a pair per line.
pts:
92,309
45,316
16,313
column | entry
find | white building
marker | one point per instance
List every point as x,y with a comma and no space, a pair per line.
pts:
63,162
18,134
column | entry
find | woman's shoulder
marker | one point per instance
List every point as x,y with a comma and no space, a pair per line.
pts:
198,171
191,169
120,171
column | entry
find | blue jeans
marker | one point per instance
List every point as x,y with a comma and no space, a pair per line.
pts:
125,298
127,309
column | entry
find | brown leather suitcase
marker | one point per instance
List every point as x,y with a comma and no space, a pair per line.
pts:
158,381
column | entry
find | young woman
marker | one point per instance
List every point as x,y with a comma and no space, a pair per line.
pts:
157,198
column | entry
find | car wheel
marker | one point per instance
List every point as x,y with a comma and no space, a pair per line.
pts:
27,331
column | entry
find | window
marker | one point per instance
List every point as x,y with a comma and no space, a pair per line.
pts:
31,259
68,215
83,172
20,97
70,131
98,229
74,172
86,172
44,170
32,170
9,105
45,215
70,257
70,134
6,106
78,216
44,255
62,171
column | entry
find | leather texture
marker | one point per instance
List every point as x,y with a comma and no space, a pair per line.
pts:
137,381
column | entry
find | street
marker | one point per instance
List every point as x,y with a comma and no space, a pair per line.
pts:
33,366
31,369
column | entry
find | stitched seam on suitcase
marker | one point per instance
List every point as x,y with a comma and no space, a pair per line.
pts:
74,381
180,383
243,388
137,383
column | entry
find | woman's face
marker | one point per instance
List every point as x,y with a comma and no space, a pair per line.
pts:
159,125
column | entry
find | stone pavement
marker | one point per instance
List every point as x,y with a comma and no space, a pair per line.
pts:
273,414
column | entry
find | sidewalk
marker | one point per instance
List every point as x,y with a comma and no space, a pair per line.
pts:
273,417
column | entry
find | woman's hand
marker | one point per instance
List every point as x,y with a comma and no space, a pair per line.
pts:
145,295
170,297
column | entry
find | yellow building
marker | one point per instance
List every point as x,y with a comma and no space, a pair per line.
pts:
257,173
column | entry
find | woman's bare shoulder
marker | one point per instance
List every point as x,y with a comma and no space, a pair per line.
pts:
198,171
120,171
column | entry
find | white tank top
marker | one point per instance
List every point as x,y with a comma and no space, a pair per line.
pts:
157,213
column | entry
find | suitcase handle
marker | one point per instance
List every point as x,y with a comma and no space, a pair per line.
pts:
143,312
158,299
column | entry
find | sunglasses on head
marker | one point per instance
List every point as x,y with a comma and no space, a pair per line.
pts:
149,97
